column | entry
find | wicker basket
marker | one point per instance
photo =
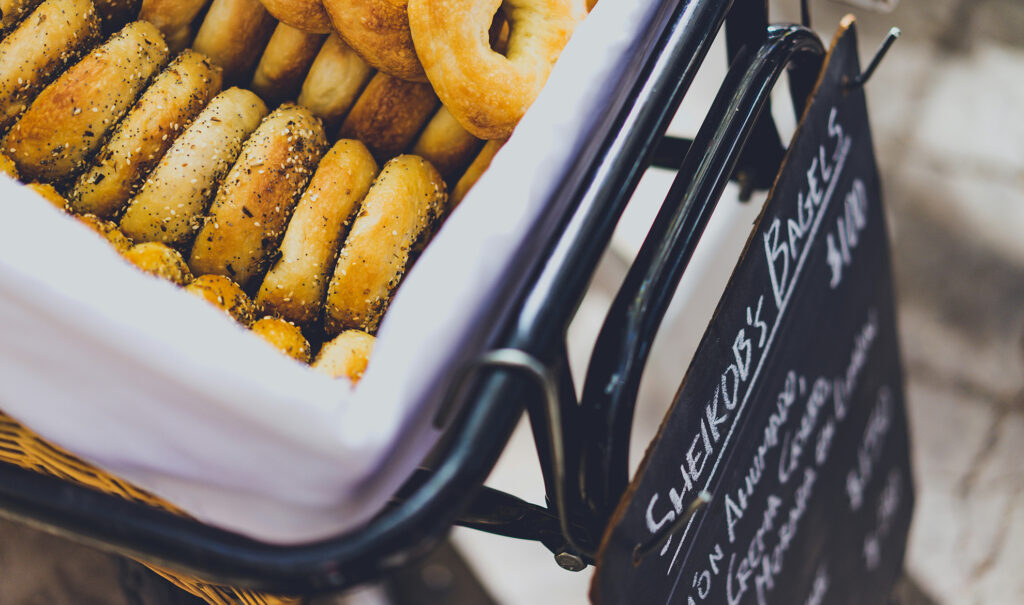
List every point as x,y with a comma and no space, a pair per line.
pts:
22,447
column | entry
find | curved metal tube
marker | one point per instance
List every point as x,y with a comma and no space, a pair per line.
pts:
613,379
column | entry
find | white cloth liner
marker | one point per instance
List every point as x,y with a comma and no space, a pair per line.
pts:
145,381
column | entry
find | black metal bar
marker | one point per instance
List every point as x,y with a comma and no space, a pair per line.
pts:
622,347
747,26
670,153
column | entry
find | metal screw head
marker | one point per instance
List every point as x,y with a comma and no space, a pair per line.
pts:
570,561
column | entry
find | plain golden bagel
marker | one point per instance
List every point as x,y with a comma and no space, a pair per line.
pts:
347,355
233,35
174,19
399,210
307,15
389,114
284,63
334,81
379,31
488,92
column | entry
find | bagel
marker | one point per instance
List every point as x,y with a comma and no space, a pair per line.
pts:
252,206
7,167
140,140
170,205
284,337
159,260
225,294
306,15
56,33
294,288
469,178
233,35
12,11
346,355
398,210
446,144
174,18
69,120
335,79
488,92
284,63
379,31
389,114
108,231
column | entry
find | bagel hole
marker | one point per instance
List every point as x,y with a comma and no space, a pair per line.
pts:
499,32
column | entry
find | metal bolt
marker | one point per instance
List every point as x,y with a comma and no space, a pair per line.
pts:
570,561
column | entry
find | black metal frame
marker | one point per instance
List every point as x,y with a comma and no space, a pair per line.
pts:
582,446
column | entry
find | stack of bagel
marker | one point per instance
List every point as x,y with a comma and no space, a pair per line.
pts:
283,159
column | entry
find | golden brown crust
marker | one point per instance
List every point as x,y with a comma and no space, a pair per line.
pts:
56,33
488,92
252,206
174,18
306,15
399,208
172,201
48,193
233,35
225,294
108,230
164,111
12,11
379,31
284,336
295,287
335,79
69,120
285,62
7,167
160,260
446,144
347,355
389,114
469,178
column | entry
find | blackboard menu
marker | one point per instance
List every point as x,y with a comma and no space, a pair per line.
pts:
791,414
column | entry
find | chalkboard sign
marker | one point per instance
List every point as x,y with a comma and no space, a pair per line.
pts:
792,414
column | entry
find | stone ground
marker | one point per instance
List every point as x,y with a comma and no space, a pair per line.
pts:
946,109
